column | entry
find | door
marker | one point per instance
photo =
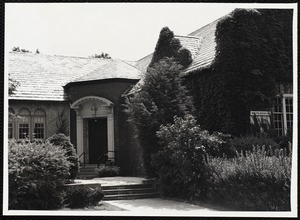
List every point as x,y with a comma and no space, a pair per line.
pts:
97,138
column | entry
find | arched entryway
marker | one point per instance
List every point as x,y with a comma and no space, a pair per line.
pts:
95,128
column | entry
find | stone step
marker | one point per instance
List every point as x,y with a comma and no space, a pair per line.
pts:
131,186
128,191
130,196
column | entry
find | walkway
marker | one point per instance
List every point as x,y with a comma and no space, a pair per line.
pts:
156,206
149,206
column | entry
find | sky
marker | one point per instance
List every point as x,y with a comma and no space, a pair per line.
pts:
127,31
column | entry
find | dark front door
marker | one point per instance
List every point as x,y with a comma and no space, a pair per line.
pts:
97,138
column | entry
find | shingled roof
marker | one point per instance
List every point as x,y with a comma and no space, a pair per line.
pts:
116,69
42,77
201,43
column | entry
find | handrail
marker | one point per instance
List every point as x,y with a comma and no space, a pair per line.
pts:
83,154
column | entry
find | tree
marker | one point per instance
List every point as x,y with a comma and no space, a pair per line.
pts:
161,97
102,55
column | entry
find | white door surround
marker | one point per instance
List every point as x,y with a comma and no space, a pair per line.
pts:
94,107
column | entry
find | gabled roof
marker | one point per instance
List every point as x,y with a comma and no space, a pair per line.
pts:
42,77
201,43
116,69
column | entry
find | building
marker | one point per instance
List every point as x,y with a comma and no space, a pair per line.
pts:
83,98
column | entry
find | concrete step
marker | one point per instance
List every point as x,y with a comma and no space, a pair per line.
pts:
131,186
128,191
134,191
130,196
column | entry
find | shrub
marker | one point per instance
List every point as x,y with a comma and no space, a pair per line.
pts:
180,164
106,171
246,143
64,141
82,196
36,175
253,182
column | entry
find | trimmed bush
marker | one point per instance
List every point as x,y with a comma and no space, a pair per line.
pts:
64,141
106,171
251,182
180,165
82,196
37,172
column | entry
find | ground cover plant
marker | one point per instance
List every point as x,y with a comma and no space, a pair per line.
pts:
37,173
257,181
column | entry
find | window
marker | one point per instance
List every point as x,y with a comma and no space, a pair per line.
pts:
39,124
283,114
24,124
10,124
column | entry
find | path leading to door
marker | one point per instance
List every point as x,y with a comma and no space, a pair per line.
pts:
154,206
149,206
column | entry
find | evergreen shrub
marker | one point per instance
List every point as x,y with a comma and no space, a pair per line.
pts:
106,171
37,172
82,196
180,164
161,97
251,182
64,141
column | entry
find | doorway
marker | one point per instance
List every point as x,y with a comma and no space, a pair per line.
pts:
97,138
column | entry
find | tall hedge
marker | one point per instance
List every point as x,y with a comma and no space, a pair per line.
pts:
253,53
160,98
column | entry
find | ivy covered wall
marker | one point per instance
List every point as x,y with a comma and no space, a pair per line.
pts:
253,53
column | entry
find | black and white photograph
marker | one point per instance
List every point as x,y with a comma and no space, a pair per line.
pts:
150,109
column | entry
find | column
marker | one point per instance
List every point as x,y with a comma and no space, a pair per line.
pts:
110,136
79,134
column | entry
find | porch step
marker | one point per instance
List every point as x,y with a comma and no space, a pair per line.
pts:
88,171
136,191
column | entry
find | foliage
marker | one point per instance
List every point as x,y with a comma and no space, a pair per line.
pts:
102,55
170,47
160,98
250,47
63,141
12,85
106,171
246,143
180,164
37,173
62,123
82,196
253,182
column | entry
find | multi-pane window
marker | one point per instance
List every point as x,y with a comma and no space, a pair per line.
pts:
289,112
39,124
23,130
24,124
10,130
278,117
10,123
283,114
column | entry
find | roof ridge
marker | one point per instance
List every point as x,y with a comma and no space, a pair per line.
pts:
184,36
